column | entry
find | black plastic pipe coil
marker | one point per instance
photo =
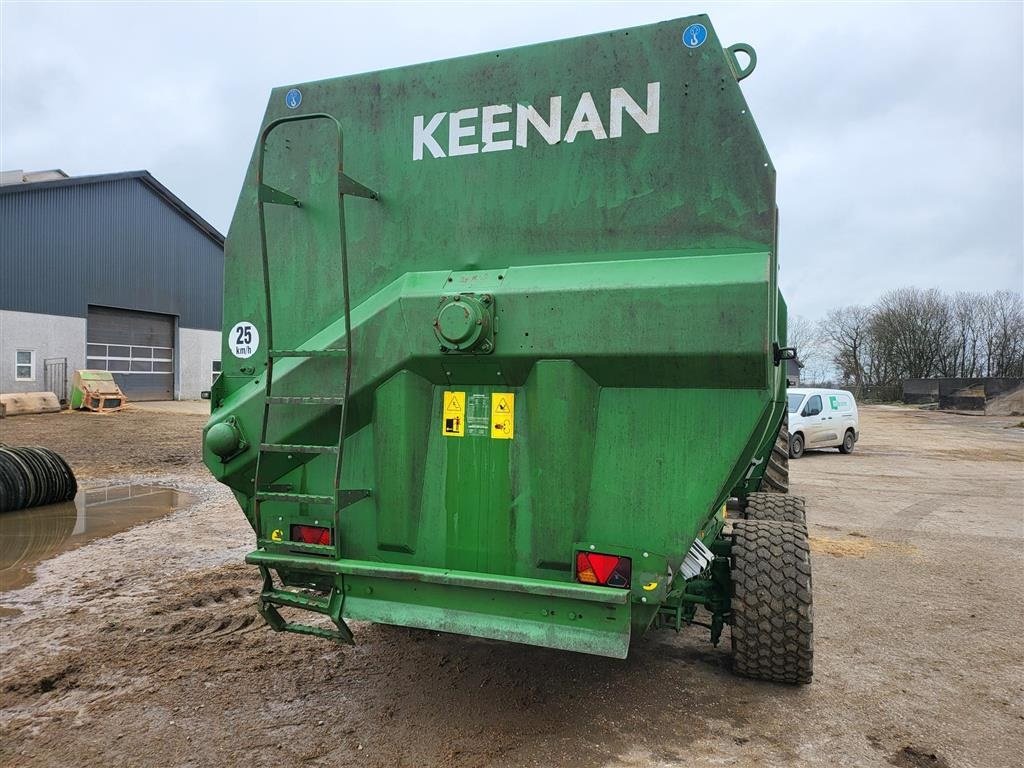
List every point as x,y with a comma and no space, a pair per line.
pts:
32,476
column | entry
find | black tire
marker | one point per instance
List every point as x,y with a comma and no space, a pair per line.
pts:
796,446
774,506
849,442
772,609
776,474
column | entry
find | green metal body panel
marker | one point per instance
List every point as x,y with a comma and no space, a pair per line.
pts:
632,268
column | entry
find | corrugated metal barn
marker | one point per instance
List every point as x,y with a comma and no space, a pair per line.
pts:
110,272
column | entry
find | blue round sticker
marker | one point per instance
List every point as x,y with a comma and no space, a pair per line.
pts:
293,98
695,35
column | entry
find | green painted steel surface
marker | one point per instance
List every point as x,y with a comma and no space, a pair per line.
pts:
613,196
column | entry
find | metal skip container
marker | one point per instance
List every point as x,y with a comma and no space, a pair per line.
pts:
502,337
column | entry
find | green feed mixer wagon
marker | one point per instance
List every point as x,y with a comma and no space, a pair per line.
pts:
504,353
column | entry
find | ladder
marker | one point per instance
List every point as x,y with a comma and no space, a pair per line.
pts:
271,597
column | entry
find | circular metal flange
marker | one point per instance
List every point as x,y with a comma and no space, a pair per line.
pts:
463,324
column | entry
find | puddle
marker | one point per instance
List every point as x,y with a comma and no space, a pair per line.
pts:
29,536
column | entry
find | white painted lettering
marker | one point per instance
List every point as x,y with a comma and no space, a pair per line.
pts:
496,124
550,131
424,136
586,118
646,119
491,126
457,131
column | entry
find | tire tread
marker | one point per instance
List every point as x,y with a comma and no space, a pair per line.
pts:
776,474
772,607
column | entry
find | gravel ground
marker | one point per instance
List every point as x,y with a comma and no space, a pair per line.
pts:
144,648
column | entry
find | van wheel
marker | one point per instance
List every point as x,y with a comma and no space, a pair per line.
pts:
796,446
776,474
772,608
772,506
849,441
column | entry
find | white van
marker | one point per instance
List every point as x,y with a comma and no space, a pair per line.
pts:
822,418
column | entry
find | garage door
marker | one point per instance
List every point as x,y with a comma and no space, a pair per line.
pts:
137,347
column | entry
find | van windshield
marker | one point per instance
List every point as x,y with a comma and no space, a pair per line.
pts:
794,402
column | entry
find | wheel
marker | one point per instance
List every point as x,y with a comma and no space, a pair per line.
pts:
849,441
772,610
776,474
774,506
796,446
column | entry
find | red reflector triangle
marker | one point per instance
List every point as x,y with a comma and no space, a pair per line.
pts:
603,565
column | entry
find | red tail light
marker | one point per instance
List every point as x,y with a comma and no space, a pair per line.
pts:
311,534
607,570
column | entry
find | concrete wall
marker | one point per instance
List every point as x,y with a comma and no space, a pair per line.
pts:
59,336
958,394
197,349
48,335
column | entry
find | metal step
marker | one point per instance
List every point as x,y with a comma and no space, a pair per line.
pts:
305,400
296,498
296,600
323,632
308,352
286,448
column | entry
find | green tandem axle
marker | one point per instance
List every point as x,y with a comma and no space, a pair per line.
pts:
504,353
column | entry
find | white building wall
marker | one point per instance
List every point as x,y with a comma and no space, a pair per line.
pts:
197,349
48,336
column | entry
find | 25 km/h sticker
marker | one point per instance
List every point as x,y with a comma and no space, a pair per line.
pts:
243,340
503,409
453,415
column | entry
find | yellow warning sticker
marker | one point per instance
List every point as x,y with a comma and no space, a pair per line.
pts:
453,418
277,535
503,409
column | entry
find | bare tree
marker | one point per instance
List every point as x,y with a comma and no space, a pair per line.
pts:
1003,323
916,333
847,330
961,355
909,327
811,347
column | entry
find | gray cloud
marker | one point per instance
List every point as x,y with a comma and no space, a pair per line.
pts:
897,130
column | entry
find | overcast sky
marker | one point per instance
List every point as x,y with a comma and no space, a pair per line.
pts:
896,130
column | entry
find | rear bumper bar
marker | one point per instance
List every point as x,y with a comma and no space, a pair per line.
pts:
567,616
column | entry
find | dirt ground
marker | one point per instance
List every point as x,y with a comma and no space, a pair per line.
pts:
144,649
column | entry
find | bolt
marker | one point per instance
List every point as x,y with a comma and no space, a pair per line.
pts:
592,547
457,298
544,612
572,616
643,599
478,322
645,554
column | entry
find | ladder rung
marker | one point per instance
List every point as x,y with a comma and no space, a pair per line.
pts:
293,400
324,632
297,498
296,600
286,448
308,352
